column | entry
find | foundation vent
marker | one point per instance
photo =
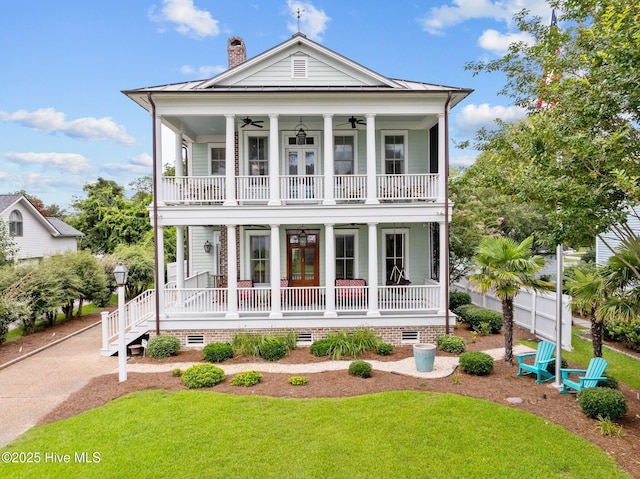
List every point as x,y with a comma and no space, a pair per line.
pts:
304,339
195,340
409,337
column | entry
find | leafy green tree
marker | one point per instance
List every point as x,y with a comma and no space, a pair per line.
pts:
504,266
622,276
8,247
140,262
588,289
47,211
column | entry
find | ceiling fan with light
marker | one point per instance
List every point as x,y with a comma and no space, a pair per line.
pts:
354,121
248,121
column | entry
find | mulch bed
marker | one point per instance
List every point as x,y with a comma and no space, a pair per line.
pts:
541,400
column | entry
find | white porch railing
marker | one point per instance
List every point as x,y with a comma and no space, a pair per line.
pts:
302,188
193,189
409,298
350,187
137,312
252,188
408,187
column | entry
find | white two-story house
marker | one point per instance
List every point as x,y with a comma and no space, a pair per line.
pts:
310,193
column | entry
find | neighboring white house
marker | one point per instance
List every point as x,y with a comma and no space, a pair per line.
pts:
603,253
313,198
35,236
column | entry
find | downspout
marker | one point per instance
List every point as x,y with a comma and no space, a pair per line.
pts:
154,189
446,211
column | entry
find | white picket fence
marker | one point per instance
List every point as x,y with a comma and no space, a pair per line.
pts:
534,311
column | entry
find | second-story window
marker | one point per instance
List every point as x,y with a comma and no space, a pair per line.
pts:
394,154
217,156
343,155
15,223
258,156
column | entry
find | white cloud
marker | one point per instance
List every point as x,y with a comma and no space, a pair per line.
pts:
463,161
138,165
473,117
498,43
458,11
188,19
205,71
313,22
68,162
52,121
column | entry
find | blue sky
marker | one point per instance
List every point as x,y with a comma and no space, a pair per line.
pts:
64,121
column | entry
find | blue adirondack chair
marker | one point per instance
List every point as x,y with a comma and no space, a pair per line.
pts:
589,378
542,357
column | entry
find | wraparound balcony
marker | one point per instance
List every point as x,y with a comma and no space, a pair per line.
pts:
211,190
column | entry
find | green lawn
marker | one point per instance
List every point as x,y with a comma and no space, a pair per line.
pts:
195,434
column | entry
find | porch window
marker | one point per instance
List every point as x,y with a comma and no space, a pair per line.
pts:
394,154
345,255
395,255
259,267
258,155
217,158
15,223
435,251
343,155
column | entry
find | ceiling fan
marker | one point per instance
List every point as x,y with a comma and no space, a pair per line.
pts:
248,121
355,121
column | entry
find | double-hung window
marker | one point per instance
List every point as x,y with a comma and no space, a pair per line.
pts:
395,153
346,255
15,223
343,155
258,155
395,255
217,157
259,257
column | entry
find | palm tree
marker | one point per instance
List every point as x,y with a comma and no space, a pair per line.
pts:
504,267
589,292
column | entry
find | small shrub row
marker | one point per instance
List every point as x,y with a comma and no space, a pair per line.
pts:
458,298
298,381
452,344
350,343
482,320
161,346
270,347
247,379
624,332
476,362
202,376
603,403
217,352
361,369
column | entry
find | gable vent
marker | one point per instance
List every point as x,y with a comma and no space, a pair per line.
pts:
409,337
299,67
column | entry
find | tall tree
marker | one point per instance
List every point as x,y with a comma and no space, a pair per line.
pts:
504,267
8,247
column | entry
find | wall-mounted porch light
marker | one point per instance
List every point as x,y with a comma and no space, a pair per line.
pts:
207,247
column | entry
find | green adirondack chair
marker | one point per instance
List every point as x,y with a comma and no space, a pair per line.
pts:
542,357
589,378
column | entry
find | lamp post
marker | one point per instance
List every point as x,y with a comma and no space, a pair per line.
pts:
120,273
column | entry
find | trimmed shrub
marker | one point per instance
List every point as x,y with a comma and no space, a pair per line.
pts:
610,382
321,347
273,348
605,403
298,381
176,373
625,332
247,379
452,344
476,362
202,376
160,347
384,349
458,298
361,369
217,352
480,319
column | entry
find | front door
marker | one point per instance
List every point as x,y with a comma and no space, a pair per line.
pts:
303,257
302,168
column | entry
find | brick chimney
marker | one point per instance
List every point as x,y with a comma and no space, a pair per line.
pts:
237,51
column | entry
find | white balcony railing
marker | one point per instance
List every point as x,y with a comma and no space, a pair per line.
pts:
308,188
350,187
193,189
252,188
407,187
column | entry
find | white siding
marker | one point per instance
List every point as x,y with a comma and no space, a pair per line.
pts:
602,251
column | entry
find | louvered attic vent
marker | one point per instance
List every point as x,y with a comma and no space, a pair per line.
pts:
299,67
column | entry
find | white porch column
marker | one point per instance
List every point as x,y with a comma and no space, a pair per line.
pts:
232,273
372,190
330,269
442,167
177,159
276,309
230,161
159,168
442,270
328,160
161,280
274,162
180,257
373,270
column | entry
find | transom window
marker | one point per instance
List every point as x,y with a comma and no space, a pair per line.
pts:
15,223
217,156
394,154
258,155
345,256
343,155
